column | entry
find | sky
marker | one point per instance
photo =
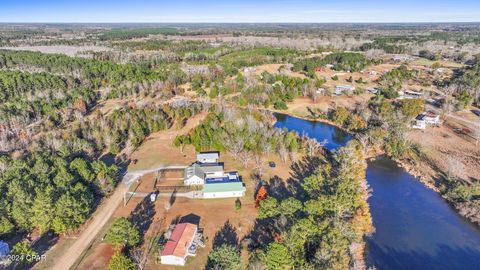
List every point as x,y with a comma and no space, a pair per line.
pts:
234,11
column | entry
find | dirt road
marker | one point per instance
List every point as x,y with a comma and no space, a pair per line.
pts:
70,256
99,219
107,208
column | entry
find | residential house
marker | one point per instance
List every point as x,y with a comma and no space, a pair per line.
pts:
340,89
427,118
401,58
198,172
409,94
216,182
431,118
178,246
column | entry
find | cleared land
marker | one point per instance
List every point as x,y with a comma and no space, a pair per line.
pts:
446,144
213,215
61,49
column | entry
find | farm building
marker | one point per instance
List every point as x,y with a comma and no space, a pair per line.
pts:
197,172
208,157
227,186
340,89
180,244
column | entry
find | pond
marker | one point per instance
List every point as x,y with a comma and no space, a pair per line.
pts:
415,227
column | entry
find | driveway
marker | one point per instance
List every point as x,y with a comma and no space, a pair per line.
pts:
99,219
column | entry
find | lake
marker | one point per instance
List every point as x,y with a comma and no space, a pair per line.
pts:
415,227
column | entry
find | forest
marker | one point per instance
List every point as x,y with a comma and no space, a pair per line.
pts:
70,123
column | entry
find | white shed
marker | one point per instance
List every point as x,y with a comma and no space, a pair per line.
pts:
208,157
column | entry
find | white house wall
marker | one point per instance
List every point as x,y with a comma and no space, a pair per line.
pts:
229,194
172,260
194,180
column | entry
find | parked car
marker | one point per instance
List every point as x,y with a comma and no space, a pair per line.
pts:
476,112
272,164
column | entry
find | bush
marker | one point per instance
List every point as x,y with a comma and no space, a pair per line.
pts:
389,93
340,116
121,262
463,100
224,257
412,107
280,105
238,204
24,249
278,257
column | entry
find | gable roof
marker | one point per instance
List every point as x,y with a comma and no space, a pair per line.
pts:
181,237
200,169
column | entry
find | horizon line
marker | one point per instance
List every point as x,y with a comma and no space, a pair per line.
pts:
406,22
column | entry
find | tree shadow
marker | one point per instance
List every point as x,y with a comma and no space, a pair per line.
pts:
173,197
292,187
265,230
226,235
278,189
261,235
142,215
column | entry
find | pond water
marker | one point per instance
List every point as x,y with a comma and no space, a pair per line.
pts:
415,227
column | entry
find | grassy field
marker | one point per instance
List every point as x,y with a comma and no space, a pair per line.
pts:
429,63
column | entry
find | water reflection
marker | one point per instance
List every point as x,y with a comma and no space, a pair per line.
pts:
334,137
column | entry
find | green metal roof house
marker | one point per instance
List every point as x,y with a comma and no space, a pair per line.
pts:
223,190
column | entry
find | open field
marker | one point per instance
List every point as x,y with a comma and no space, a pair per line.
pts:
442,146
158,149
429,63
300,106
61,49
207,211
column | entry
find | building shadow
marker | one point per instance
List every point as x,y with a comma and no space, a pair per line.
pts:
190,218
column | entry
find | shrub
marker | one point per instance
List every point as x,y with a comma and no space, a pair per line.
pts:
121,262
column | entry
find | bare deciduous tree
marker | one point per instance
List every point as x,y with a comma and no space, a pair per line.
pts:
167,205
455,167
313,146
138,256
476,133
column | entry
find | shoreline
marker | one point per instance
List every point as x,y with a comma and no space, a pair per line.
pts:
425,179
358,248
412,169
